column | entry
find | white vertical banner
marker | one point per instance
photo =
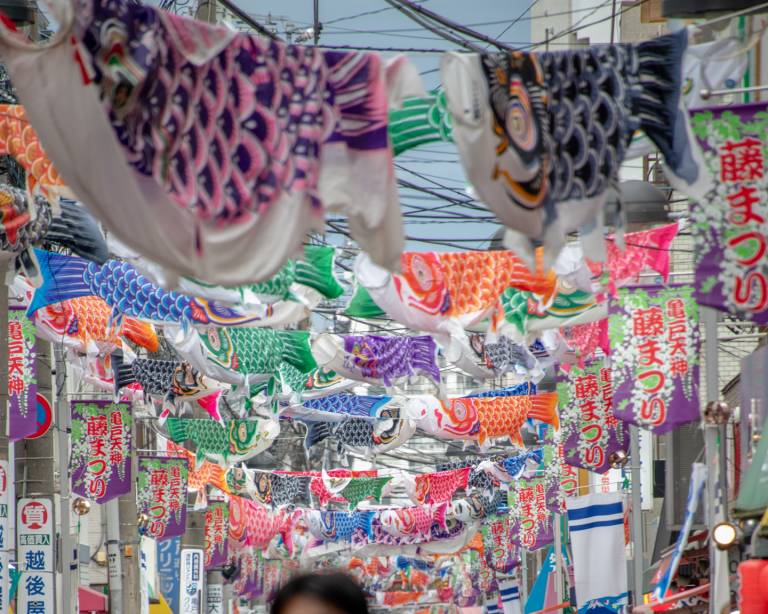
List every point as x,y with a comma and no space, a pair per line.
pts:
646,470
192,581
596,525
146,564
34,521
5,536
214,599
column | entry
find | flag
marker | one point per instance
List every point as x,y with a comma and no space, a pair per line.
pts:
698,479
509,591
493,607
596,525
543,592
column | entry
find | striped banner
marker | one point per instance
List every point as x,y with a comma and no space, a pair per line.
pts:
698,479
493,607
509,591
596,526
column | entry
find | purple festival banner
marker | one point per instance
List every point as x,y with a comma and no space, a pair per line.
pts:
655,348
101,449
162,495
729,226
22,375
531,505
500,554
591,433
216,534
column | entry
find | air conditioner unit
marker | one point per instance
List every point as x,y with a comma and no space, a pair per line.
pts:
697,8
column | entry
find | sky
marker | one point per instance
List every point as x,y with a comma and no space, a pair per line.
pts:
373,23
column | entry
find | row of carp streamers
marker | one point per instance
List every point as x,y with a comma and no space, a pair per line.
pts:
239,363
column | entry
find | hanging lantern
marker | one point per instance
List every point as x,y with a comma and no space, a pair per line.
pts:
142,522
618,459
717,412
81,506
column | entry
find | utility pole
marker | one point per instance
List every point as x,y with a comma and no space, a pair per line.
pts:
114,559
70,567
130,540
316,24
35,457
638,552
714,418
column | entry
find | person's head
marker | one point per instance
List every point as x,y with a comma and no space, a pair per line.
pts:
326,593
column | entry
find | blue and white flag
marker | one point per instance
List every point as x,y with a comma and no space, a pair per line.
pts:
695,488
493,607
509,591
596,526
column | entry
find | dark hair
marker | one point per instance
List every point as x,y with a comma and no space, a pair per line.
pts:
338,590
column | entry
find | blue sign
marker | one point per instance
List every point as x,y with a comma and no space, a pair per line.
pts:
168,569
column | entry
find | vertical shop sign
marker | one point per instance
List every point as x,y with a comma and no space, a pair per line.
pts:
35,551
168,565
191,589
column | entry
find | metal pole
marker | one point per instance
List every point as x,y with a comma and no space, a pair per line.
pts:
718,578
613,21
558,560
638,554
316,24
115,568
523,579
228,597
129,538
69,565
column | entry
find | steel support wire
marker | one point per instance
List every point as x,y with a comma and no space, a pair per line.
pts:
407,5
246,18
435,30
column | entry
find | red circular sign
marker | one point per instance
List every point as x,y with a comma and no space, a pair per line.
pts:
34,515
44,417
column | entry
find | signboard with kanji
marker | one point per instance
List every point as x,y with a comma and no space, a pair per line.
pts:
214,599
501,554
5,538
192,581
590,430
730,225
532,524
168,563
34,522
655,344
162,495
216,534
101,449
22,375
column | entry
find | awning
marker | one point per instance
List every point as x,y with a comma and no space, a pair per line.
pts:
753,495
91,600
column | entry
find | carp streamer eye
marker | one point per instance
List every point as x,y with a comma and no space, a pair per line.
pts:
519,120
